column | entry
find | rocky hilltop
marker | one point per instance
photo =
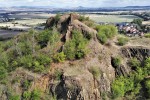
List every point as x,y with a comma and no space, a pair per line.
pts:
87,78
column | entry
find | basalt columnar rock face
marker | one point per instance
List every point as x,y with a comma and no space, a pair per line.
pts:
67,23
139,52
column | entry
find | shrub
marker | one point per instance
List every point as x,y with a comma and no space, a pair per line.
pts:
48,36
105,32
118,89
121,86
14,97
36,94
60,57
57,17
43,59
76,48
37,67
57,74
26,84
3,73
116,61
43,38
102,38
109,30
138,22
83,18
95,72
88,35
26,61
26,95
69,50
147,35
147,66
134,63
122,41
147,86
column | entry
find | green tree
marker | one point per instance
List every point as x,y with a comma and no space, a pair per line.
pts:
138,22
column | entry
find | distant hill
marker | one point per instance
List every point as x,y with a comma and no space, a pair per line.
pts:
137,7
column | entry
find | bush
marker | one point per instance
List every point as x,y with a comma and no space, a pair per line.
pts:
88,35
3,73
134,63
26,84
122,41
121,86
48,36
60,57
26,61
102,38
95,72
109,30
118,89
147,86
147,35
43,59
138,22
36,95
26,95
57,74
57,17
105,32
83,18
116,61
37,67
43,38
14,97
69,50
147,66
76,48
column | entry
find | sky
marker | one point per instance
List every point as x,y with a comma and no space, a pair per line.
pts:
75,3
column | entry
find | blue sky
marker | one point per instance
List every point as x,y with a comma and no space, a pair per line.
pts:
75,3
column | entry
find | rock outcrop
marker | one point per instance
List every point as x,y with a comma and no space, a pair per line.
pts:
69,22
139,52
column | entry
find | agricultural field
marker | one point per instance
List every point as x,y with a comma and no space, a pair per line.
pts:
111,18
23,21
26,19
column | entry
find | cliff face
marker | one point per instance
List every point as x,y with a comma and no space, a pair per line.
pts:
69,22
139,52
77,81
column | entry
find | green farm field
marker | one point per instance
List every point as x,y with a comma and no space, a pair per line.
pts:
111,18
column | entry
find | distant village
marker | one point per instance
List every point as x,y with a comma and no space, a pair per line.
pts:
132,29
